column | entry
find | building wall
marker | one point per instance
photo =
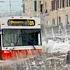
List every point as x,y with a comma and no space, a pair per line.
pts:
59,12
56,23
29,7
58,15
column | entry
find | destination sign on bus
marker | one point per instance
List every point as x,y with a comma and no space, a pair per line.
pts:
21,22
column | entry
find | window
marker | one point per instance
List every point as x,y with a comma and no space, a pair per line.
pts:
35,5
57,4
59,20
53,5
46,7
60,3
21,37
45,4
53,21
63,3
67,19
41,7
69,2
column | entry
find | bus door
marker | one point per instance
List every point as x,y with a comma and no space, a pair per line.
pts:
0,41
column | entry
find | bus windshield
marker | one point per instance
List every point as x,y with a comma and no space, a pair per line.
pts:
21,37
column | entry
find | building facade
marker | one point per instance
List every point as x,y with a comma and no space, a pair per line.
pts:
33,7
57,25
58,18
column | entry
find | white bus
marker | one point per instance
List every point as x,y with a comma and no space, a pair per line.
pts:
20,37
